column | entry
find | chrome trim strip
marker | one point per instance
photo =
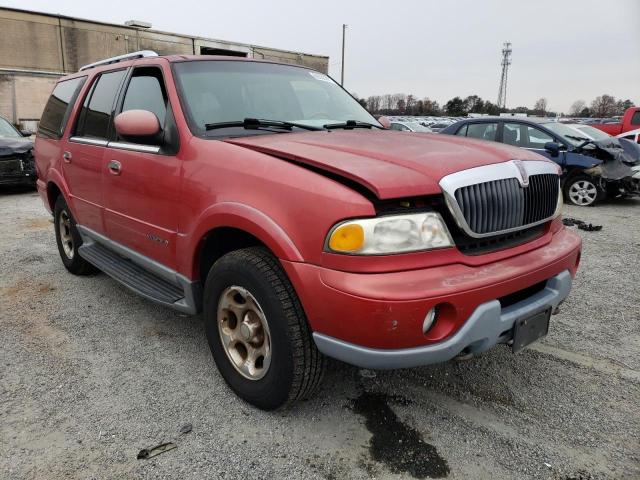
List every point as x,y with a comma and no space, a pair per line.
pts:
192,292
488,173
89,141
121,58
136,147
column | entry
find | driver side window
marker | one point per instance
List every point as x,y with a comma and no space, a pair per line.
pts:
538,138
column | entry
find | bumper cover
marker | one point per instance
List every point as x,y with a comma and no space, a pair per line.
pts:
488,325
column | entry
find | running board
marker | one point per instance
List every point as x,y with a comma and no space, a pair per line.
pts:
140,274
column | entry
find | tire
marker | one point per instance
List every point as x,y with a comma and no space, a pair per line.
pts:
583,190
69,240
291,367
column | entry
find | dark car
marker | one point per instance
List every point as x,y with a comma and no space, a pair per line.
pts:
591,169
16,158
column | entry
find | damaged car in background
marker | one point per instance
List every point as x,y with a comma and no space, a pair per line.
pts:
16,158
592,168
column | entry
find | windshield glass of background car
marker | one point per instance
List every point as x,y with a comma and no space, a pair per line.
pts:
567,133
7,131
228,91
593,132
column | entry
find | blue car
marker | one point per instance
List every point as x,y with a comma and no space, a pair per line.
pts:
592,169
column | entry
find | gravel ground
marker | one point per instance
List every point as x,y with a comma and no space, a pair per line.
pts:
91,374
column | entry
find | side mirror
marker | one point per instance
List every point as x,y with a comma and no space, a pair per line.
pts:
384,121
136,124
553,148
26,133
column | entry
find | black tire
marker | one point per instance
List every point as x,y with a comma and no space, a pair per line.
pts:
594,193
70,257
296,368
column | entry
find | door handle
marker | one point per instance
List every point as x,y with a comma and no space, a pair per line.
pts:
66,156
114,167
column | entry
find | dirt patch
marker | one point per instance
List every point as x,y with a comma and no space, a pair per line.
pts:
397,445
37,224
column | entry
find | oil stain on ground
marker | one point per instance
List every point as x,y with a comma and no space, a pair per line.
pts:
395,444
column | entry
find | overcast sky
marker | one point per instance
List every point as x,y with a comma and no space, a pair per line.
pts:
563,50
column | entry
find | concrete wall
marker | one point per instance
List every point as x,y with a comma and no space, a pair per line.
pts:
35,49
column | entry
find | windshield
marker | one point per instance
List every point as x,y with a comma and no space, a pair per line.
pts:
567,133
593,133
7,130
215,91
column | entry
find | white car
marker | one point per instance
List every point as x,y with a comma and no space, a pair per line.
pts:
409,127
633,135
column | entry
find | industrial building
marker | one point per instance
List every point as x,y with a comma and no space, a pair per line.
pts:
37,48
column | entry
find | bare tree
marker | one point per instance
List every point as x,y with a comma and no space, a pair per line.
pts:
577,107
540,106
603,106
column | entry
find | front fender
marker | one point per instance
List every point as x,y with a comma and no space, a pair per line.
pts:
242,217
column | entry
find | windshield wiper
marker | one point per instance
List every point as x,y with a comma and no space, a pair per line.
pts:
575,137
257,123
351,124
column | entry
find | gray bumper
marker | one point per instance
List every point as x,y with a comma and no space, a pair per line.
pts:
487,326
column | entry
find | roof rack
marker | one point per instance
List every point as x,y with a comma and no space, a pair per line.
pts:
121,58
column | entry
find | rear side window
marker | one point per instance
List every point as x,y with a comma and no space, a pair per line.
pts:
635,119
483,131
95,116
56,112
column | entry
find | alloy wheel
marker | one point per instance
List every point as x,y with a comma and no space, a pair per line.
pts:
66,239
583,192
244,332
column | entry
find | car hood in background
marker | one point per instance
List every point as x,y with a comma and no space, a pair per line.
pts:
12,146
390,164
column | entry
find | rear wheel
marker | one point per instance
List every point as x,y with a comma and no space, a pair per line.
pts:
583,190
69,240
257,330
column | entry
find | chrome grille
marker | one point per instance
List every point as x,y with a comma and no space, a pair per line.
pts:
503,204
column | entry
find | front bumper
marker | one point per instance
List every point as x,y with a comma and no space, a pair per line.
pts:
488,325
376,319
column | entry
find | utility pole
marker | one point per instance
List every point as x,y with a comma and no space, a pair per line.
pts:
506,61
344,29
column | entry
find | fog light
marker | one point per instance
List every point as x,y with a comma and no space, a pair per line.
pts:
429,319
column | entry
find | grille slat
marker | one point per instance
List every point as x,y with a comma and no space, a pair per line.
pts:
504,204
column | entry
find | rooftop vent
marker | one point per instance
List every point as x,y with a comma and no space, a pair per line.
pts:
137,23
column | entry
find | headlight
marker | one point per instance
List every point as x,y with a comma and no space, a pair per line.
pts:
390,234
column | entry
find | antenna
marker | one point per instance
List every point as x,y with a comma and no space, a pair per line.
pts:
506,61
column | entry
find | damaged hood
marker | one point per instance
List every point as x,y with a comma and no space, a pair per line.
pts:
618,156
389,164
13,146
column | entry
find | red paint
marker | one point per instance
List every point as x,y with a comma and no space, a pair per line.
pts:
627,123
261,185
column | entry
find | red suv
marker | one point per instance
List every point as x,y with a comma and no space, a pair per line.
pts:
266,197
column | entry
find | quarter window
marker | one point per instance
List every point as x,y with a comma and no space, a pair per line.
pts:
56,112
96,111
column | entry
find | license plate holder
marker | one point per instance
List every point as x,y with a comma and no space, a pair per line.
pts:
529,329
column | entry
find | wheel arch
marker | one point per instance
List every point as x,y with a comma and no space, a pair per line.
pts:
231,226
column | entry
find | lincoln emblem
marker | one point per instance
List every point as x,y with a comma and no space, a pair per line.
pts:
524,175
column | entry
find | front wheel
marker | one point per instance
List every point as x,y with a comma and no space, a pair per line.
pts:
257,330
583,190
